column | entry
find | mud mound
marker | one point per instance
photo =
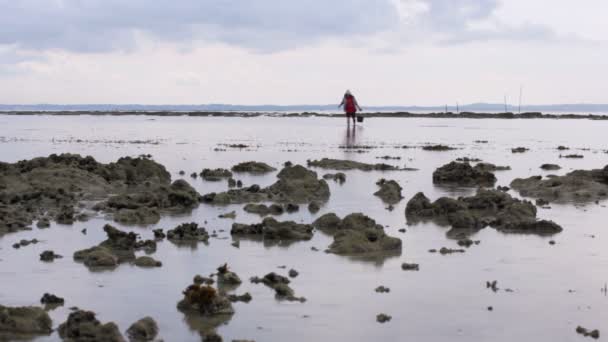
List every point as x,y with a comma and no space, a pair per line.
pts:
271,229
16,322
463,174
338,164
295,184
390,191
491,208
576,186
253,167
83,326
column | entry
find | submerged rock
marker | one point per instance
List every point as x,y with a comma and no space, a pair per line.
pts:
49,256
463,174
491,208
51,299
16,322
272,229
280,285
576,186
438,148
339,177
338,164
390,191
215,174
550,167
295,184
146,261
83,326
264,210
143,330
253,167
383,318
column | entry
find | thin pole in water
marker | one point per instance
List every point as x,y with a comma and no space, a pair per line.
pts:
521,89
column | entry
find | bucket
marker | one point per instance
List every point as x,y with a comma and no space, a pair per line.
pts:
359,118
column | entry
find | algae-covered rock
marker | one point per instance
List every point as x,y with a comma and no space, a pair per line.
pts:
492,208
206,301
338,177
215,174
271,229
342,165
357,235
82,326
390,191
295,184
264,210
576,186
16,322
463,174
253,167
143,330
188,232
146,261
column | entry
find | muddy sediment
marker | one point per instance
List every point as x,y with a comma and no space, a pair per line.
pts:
576,186
467,215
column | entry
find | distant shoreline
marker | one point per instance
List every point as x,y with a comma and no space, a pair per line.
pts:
435,115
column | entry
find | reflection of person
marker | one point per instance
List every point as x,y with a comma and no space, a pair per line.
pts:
350,106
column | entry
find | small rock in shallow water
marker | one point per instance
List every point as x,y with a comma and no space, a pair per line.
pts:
48,298
293,273
382,289
410,267
593,333
145,329
383,318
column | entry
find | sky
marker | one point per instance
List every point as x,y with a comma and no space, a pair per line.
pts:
388,52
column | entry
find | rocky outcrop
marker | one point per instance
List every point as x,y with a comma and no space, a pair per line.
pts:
214,175
50,188
253,167
83,326
18,322
188,233
143,330
463,174
295,184
357,234
576,186
467,215
342,165
271,229
390,191
117,248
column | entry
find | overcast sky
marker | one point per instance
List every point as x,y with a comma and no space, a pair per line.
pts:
388,52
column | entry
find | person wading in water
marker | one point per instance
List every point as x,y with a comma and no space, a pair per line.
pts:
350,106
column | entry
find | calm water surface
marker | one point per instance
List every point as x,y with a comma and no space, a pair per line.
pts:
555,288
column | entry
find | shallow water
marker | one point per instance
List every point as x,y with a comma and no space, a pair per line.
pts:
555,287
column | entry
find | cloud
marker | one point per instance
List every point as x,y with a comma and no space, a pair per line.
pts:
103,25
